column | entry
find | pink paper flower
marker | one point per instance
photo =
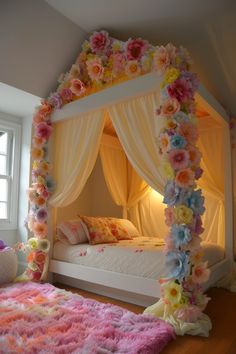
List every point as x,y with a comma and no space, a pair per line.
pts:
77,87
188,313
181,90
41,215
189,132
43,130
161,60
185,178
66,94
169,216
135,48
99,41
169,245
118,63
95,69
169,107
179,158
200,273
34,275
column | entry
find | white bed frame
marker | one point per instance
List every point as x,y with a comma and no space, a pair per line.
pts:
133,289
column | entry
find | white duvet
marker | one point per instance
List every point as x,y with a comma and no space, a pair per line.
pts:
141,256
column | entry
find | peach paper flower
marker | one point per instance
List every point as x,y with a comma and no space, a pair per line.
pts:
170,107
189,132
95,69
132,68
77,87
37,153
38,142
40,229
161,60
185,178
200,273
194,155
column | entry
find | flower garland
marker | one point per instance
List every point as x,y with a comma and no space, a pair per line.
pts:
103,62
181,288
37,246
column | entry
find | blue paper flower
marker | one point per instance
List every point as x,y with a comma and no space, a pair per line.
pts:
195,201
177,142
181,117
177,264
180,235
51,185
171,193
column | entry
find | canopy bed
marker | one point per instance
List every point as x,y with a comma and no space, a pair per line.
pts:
145,132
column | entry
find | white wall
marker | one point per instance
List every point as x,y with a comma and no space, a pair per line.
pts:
95,199
37,44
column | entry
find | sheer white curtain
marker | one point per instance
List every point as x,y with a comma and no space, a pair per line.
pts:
212,182
76,145
124,184
134,123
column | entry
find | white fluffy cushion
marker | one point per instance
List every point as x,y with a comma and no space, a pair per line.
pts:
8,265
72,232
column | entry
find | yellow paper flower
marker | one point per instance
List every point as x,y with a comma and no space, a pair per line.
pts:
171,75
36,164
33,243
183,214
168,170
170,124
172,292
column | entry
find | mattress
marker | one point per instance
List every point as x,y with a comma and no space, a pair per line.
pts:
141,256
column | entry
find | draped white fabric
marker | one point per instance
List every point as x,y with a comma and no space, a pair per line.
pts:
76,145
148,215
212,182
124,185
134,123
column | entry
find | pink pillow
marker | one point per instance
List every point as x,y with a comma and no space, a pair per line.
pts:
98,230
72,232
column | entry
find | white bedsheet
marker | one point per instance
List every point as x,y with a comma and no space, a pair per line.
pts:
141,256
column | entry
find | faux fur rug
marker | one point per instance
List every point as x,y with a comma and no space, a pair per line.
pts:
39,318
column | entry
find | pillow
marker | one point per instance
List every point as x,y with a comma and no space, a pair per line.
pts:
72,232
129,227
98,230
118,229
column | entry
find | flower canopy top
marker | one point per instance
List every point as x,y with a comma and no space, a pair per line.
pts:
103,62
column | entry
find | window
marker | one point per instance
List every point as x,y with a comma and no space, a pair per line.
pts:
9,173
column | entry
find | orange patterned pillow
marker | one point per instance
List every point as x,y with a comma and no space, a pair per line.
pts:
118,230
98,230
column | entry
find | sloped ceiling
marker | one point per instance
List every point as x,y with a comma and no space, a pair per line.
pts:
207,28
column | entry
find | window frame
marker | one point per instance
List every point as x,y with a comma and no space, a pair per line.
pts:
13,172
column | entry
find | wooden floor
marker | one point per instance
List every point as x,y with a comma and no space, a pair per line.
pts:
222,311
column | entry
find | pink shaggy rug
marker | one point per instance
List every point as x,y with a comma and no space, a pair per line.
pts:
39,318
